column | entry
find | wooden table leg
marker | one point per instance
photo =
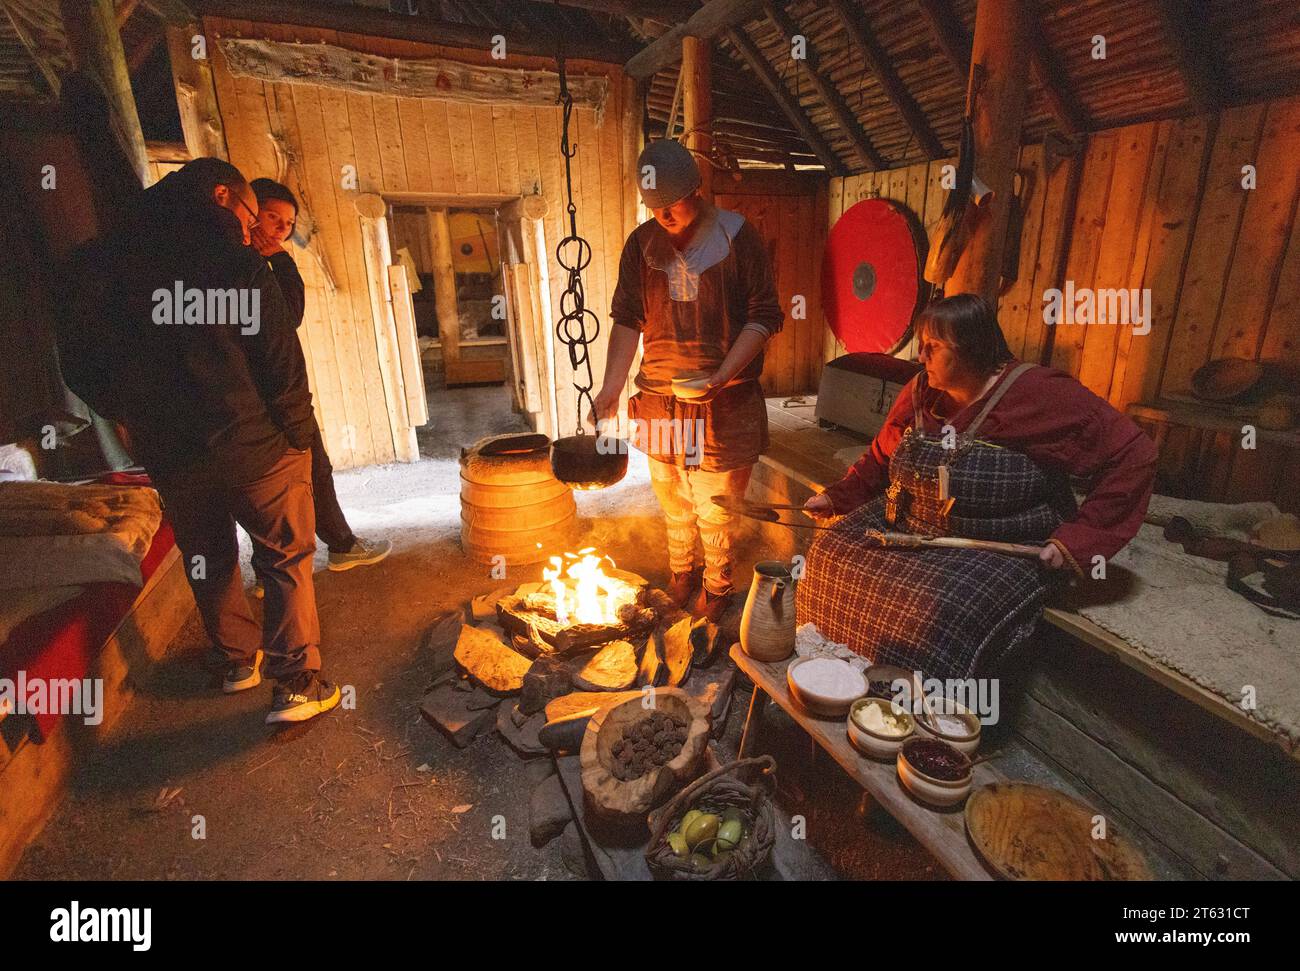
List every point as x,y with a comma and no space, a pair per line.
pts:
753,719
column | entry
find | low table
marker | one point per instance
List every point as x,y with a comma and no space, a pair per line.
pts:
941,831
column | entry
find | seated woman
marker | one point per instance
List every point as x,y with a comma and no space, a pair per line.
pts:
983,446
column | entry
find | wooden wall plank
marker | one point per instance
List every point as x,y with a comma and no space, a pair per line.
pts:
1282,335
507,155
388,131
415,145
1019,302
1134,151
485,151
1266,226
1217,223
1043,256
1084,243
1172,224
437,136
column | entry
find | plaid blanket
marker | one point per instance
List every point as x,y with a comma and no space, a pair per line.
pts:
947,613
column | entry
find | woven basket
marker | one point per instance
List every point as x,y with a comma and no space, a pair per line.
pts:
717,791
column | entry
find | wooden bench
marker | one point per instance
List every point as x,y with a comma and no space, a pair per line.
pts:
941,831
1194,771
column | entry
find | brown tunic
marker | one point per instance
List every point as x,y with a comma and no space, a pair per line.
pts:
690,308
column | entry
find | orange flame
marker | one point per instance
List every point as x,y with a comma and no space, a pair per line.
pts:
589,595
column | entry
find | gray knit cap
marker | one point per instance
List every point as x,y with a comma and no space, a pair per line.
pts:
665,173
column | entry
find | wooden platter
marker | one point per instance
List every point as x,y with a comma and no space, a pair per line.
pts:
1028,832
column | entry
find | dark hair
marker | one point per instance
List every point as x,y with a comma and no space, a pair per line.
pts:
266,189
205,174
969,323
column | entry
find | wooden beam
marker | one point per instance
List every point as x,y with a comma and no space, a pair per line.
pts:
96,48
1049,74
143,49
949,34
444,289
864,40
1201,67
196,95
707,23
697,106
660,11
1000,63
377,23
830,95
124,10
759,65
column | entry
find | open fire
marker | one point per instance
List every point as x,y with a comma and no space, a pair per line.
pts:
584,592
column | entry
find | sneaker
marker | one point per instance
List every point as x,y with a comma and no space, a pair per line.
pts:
302,698
363,553
683,586
241,676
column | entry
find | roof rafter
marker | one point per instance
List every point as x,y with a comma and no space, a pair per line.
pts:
753,57
878,61
1201,70
787,28
1067,110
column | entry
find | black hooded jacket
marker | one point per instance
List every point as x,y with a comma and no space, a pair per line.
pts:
205,401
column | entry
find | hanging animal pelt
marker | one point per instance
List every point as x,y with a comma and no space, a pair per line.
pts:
954,227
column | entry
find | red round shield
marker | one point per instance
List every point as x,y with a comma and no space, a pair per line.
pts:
871,276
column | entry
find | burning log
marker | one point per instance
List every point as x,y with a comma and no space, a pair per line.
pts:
518,619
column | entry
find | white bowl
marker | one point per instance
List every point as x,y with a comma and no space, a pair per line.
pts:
965,743
940,793
874,744
692,384
821,703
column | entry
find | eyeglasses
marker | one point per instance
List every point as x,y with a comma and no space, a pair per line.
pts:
249,210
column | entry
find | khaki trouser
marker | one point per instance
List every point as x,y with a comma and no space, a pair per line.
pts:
276,510
685,494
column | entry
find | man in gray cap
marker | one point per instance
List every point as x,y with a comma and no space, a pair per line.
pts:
695,286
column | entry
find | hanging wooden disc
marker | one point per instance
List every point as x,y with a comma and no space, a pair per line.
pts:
1027,832
871,276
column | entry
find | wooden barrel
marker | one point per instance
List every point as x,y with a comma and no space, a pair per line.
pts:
511,504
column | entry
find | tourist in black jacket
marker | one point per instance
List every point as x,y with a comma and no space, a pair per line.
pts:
177,329
277,213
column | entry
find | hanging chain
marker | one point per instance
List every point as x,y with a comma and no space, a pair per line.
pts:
573,254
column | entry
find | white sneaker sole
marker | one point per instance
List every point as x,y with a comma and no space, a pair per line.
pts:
349,564
252,681
306,712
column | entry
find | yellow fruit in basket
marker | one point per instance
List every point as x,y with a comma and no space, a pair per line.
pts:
729,834
703,828
678,843
689,818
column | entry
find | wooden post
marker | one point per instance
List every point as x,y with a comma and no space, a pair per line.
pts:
372,211
697,106
444,290
196,97
999,81
96,48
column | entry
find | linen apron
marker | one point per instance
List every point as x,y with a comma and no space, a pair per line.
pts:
949,613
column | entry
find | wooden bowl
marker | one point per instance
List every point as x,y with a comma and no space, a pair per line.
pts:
692,384
629,802
825,706
929,788
1028,832
1226,379
877,745
965,742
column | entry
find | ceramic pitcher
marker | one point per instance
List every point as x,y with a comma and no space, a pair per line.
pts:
767,625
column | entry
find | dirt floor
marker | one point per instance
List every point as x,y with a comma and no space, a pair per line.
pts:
375,792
